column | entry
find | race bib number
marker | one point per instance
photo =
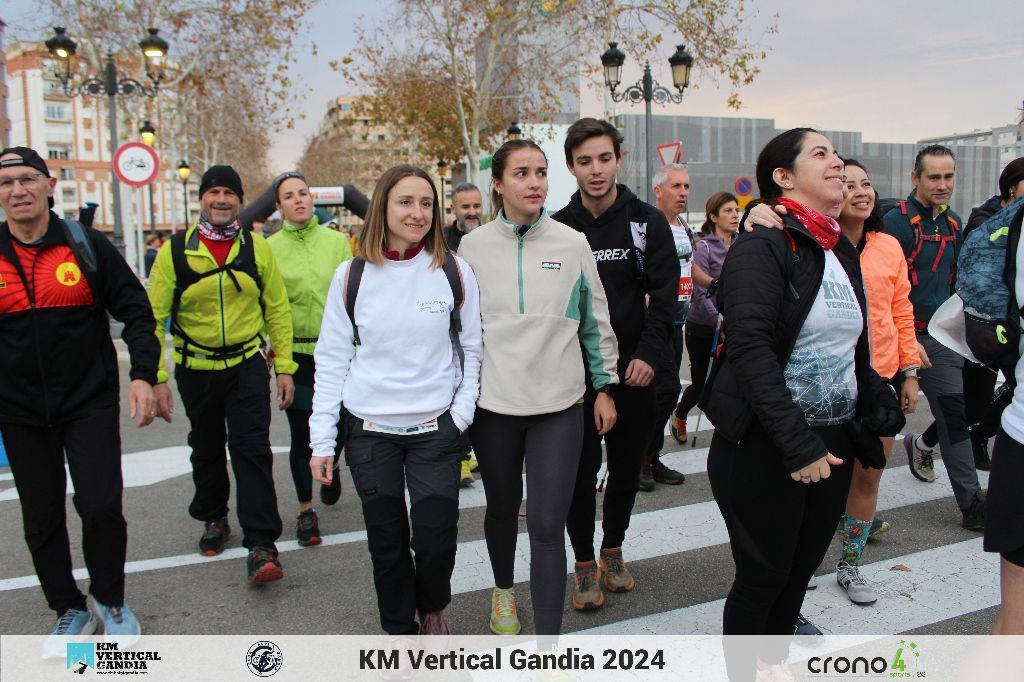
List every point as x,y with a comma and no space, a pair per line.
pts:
685,288
425,427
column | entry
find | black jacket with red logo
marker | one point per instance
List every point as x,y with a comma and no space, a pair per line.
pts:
57,359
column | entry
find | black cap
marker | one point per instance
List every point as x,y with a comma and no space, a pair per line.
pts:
221,176
27,157
1011,175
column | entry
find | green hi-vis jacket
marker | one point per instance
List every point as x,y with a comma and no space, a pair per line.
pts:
213,312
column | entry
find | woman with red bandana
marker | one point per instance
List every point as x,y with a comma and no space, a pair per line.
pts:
793,396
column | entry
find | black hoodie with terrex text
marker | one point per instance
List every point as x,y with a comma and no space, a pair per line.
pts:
635,254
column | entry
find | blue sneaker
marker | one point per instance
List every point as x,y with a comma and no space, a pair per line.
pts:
119,623
71,627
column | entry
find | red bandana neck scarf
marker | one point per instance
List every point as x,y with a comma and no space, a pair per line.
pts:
824,229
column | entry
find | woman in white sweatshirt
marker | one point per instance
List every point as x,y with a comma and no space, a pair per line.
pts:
408,393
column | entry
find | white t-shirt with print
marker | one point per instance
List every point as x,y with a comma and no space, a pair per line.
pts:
820,372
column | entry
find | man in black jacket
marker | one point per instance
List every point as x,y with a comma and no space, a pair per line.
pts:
59,394
467,205
636,260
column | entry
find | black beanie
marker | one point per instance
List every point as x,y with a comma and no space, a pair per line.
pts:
221,176
1011,175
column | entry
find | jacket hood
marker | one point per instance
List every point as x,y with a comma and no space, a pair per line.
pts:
624,195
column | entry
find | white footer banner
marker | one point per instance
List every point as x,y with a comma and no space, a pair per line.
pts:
649,658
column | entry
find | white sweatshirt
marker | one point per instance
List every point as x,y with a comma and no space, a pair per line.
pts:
405,371
1013,416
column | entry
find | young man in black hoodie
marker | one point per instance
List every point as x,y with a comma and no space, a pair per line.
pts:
636,260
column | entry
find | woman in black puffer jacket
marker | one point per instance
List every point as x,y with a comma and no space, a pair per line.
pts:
793,398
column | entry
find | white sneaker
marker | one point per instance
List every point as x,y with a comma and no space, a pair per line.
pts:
857,588
73,626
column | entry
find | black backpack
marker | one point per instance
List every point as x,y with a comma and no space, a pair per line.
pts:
451,271
185,276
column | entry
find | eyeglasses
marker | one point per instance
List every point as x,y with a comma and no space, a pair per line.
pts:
29,181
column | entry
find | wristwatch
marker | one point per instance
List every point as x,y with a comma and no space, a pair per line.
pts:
910,371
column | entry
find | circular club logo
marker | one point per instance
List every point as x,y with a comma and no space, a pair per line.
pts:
68,274
264,658
136,164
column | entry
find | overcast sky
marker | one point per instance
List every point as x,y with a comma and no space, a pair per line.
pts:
897,71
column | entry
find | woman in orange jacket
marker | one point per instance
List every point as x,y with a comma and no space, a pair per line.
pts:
894,356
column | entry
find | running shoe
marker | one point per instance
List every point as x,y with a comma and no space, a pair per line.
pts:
805,627
71,626
434,623
329,494
615,576
857,588
878,526
308,528
921,461
586,591
466,475
119,622
504,614
474,465
215,536
262,566
677,427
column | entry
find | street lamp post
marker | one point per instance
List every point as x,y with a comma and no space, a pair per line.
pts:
442,170
148,134
513,132
154,50
184,170
647,90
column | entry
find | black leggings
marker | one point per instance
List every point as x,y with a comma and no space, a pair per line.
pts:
550,444
298,424
698,348
666,389
779,529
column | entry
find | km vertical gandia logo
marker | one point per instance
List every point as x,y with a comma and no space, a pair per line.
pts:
903,664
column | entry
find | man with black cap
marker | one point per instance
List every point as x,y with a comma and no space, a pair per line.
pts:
57,284
221,287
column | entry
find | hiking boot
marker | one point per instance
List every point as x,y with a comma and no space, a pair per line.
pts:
433,623
71,626
979,445
615,575
974,516
329,494
308,528
263,566
119,623
646,481
474,465
857,588
805,627
215,536
466,476
504,614
677,427
586,590
920,461
662,474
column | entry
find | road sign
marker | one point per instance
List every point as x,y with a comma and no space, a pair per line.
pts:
671,152
136,164
743,186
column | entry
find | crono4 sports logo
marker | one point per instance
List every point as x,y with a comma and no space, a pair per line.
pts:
904,664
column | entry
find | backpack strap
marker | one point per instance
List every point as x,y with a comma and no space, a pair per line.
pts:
915,225
454,274
81,245
351,291
185,276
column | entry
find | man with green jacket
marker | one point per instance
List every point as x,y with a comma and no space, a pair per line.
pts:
221,287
